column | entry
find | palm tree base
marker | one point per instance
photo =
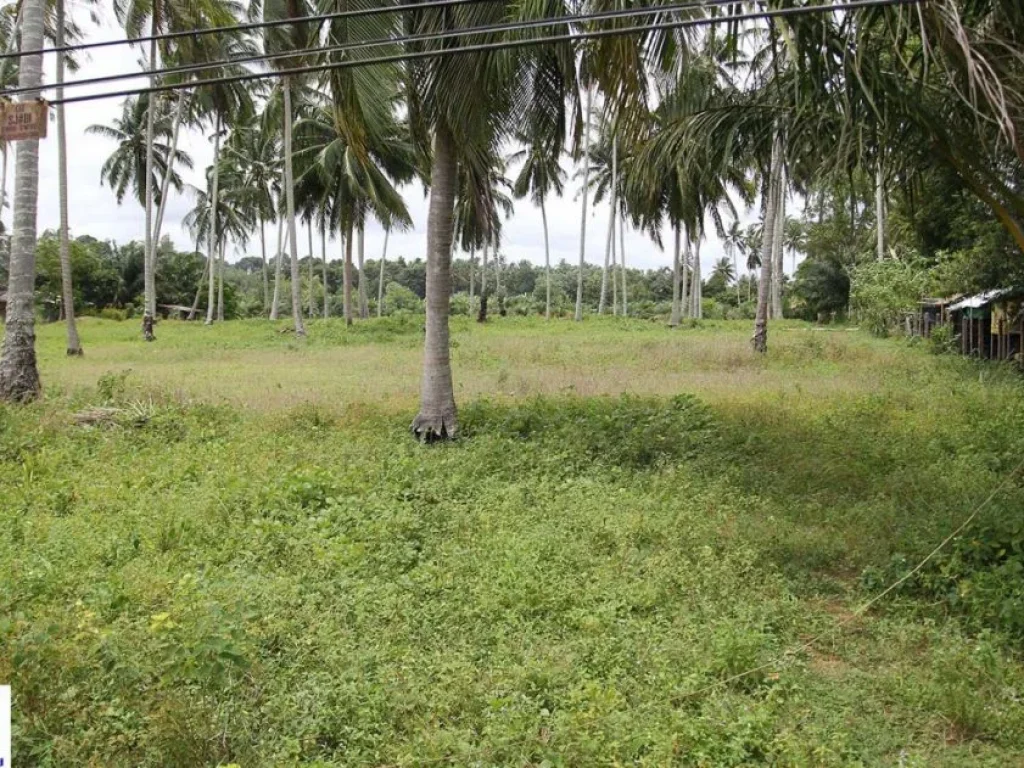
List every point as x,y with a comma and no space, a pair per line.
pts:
436,426
79,352
19,376
760,340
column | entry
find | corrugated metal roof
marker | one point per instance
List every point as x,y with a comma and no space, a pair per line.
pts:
982,299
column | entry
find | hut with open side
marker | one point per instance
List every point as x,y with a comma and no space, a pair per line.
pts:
990,324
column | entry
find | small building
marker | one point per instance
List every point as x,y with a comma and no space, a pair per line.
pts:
990,325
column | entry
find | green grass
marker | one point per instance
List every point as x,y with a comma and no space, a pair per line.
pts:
253,563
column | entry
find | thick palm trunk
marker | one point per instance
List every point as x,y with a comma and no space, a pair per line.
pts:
685,268
777,232
609,244
760,339
879,212
547,263
199,291
622,264
437,418
289,188
472,278
348,274
364,302
149,280
614,269
213,234
276,302
583,213
380,280
676,256
19,376
323,258
263,264
220,278
165,183
67,288
481,316
312,299
697,284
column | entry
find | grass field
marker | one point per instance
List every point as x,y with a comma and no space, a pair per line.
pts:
250,562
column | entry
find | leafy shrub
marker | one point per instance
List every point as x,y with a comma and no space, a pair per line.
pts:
111,313
627,431
942,340
398,298
882,292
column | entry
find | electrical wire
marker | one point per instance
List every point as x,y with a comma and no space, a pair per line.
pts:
620,13
319,18
498,45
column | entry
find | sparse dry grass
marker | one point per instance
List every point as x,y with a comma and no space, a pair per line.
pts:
250,364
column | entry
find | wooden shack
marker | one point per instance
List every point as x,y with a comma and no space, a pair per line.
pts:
990,325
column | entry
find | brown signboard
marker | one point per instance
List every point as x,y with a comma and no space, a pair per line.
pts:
20,120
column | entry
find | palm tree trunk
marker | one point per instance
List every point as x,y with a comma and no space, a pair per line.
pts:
3,177
437,418
481,316
583,213
547,263
676,256
213,235
312,301
277,270
780,219
614,269
289,188
220,277
685,269
497,282
165,183
770,205
364,302
879,212
67,289
472,280
199,291
736,272
347,273
622,264
263,262
697,283
609,243
380,280
19,376
323,258
149,281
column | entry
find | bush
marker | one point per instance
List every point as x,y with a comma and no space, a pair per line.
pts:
398,298
882,292
942,340
110,313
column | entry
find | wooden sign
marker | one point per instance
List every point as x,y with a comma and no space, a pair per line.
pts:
21,120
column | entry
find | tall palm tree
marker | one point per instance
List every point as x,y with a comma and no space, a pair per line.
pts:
19,376
585,191
256,156
541,175
734,244
163,15
463,108
299,35
74,345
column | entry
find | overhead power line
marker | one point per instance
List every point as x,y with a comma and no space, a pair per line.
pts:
853,5
319,18
620,13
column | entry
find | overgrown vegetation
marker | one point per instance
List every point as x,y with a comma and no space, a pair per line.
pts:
193,578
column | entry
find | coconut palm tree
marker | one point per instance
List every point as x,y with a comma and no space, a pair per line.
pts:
74,345
299,35
462,108
541,175
255,157
162,16
125,170
19,376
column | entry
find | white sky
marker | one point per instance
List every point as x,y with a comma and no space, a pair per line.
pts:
94,211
